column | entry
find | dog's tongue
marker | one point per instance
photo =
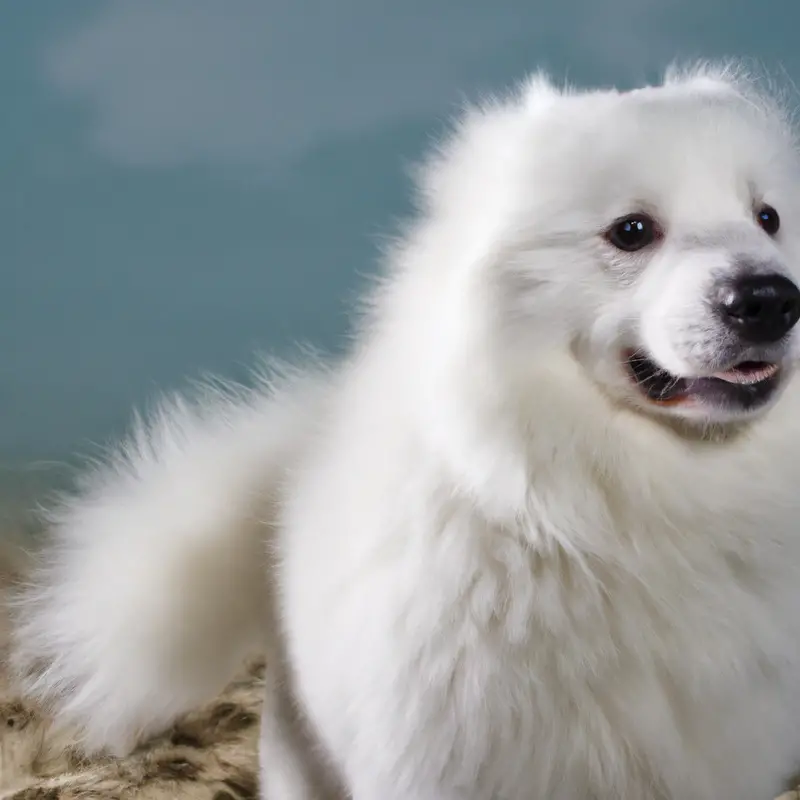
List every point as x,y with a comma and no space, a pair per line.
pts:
747,372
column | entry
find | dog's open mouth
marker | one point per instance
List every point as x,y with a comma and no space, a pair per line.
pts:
744,386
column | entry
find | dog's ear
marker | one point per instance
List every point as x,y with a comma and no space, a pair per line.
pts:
741,78
711,76
774,99
540,92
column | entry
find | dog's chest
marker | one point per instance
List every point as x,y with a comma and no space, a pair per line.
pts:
516,666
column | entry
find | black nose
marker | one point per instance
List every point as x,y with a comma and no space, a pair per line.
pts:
760,308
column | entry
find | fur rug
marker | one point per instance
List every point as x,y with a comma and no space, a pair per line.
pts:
210,754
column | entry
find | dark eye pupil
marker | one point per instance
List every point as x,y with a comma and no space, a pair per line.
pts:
769,220
632,233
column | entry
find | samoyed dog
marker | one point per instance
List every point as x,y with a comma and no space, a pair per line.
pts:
537,537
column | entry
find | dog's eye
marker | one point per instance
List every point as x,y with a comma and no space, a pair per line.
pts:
768,219
632,233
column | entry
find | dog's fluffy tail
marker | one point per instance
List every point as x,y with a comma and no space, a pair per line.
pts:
153,587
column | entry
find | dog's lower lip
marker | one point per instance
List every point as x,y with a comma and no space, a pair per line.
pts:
745,385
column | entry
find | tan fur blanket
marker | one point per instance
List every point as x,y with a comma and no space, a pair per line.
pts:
208,755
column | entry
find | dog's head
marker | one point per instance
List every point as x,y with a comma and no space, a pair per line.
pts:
653,235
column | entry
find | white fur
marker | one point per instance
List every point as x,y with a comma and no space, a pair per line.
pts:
491,571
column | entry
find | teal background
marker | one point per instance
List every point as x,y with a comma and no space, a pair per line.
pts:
185,182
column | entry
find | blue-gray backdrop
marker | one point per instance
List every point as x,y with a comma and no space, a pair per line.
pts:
184,182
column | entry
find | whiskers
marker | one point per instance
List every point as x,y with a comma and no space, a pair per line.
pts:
655,382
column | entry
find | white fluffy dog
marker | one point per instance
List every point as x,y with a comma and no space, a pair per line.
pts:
538,536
